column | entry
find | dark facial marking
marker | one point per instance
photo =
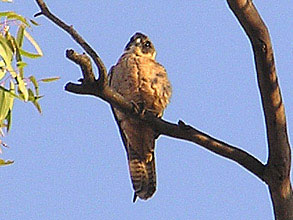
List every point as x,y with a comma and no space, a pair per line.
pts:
147,47
144,43
134,38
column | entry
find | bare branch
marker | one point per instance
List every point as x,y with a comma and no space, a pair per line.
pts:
71,31
180,131
277,172
279,162
279,149
98,88
85,64
186,132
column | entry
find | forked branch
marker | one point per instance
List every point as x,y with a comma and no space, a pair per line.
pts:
88,86
72,32
277,172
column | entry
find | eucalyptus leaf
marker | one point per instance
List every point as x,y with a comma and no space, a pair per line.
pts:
31,95
33,42
28,54
21,64
10,42
50,79
13,15
14,47
20,35
12,94
2,72
4,105
37,105
7,54
8,91
5,51
9,120
22,88
35,83
34,22
7,162
6,101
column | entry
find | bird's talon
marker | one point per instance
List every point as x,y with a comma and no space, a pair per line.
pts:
149,157
138,108
135,107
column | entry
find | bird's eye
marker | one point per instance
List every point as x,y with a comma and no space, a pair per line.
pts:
147,44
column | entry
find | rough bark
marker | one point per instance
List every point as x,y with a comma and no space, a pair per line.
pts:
276,173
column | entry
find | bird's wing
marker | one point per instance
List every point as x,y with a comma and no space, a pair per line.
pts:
138,138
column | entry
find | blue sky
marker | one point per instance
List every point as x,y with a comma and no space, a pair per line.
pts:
70,162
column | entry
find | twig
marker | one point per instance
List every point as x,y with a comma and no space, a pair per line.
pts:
180,131
72,32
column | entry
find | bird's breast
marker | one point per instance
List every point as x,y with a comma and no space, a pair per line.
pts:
142,80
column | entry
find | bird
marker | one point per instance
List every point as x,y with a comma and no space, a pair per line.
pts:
141,80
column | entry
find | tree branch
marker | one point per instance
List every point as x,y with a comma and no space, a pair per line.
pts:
279,148
71,31
279,161
277,172
89,86
180,131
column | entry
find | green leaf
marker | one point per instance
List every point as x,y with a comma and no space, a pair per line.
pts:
10,42
13,15
14,47
28,54
22,88
2,64
20,70
20,35
9,119
2,69
50,79
34,22
7,162
10,92
31,95
33,42
35,83
37,105
2,72
5,52
21,64
5,103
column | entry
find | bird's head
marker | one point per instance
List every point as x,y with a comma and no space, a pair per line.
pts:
141,45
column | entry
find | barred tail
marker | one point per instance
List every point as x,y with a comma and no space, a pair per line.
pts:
143,176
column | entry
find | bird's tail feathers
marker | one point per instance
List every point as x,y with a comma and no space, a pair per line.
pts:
143,175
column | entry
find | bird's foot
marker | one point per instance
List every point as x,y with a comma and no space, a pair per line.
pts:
149,157
138,108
